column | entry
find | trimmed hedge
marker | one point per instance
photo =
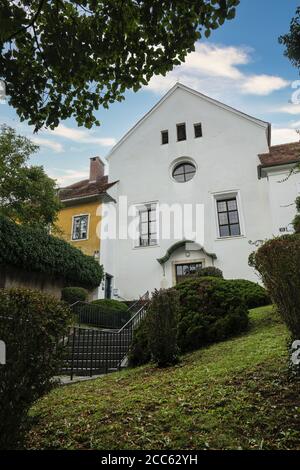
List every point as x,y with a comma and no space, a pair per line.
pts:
32,323
253,294
156,336
210,311
33,249
278,262
108,313
210,271
74,294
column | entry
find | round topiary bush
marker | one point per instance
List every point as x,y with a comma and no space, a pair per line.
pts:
74,294
210,311
210,271
31,325
253,294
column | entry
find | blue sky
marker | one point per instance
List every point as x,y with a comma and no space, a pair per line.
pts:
242,64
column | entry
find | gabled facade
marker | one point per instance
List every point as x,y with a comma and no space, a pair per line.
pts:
189,150
79,221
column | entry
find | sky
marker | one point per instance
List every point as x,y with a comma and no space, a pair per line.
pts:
242,64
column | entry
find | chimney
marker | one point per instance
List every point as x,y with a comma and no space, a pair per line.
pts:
96,169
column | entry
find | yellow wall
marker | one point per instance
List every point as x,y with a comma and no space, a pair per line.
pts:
64,224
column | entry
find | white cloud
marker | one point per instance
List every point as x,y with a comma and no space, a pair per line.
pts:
56,146
215,68
291,108
82,136
67,177
284,136
262,84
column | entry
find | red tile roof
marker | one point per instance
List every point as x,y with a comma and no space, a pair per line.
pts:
281,155
85,188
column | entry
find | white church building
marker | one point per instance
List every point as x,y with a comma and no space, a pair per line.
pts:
216,164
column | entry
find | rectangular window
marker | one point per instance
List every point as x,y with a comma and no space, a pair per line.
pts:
183,271
80,227
198,130
181,132
228,218
164,137
147,225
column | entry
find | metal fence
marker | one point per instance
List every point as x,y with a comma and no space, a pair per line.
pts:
89,351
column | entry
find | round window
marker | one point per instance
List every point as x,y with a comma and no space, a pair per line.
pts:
184,172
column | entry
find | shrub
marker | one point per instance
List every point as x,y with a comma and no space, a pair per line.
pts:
74,294
31,324
210,271
278,262
162,323
253,294
139,352
210,310
26,247
155,337
108,313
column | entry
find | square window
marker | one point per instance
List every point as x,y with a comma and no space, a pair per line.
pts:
147,225
181,132
222,207
198,130
232,205
223,218
164,137
235,230
80,227
233,217
224,231
228,218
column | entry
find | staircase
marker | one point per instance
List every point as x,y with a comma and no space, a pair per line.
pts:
91,351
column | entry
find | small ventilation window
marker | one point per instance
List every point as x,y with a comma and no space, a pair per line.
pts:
164,137
181,132
198,130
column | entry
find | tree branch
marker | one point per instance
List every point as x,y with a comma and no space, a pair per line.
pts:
31,23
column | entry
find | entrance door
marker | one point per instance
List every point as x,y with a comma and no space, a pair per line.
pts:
186,270
108,286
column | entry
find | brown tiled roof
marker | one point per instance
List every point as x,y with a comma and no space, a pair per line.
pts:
85,188
281,155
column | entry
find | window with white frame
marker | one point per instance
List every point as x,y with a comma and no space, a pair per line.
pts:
228,217
147,214
80,227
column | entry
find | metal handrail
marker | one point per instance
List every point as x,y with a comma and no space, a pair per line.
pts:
132,318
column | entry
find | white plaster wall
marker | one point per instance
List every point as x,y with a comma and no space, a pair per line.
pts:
282,194
226,159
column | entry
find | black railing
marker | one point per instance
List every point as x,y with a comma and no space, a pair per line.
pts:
90,351
95,315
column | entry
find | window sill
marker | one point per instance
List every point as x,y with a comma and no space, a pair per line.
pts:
145,247
80,240
233,237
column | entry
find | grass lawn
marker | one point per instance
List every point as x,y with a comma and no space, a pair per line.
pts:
232,395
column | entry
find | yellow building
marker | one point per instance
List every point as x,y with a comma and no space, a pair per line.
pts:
80,218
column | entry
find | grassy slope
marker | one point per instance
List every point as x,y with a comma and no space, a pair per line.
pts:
227,396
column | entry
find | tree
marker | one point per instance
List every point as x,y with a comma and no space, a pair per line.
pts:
291,41
66,58
27,194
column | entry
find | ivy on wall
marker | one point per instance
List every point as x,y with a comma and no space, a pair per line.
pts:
34,250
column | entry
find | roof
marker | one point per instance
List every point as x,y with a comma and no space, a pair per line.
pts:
84,189
180,244
177,86
281,155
